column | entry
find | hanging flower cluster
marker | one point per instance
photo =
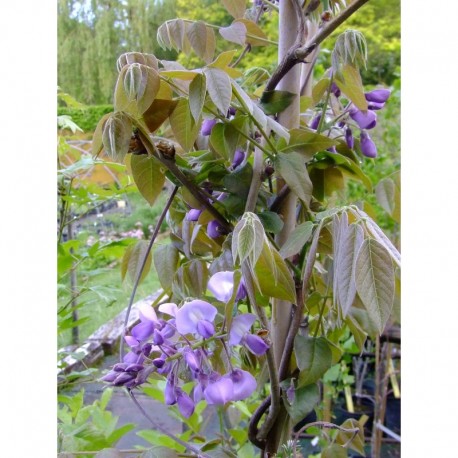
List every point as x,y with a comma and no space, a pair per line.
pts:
364,120
182,342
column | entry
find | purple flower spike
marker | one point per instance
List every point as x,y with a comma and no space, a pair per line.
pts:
185,403
214,229
368,147
365,120
244,384
378,95
221,285
255,344
219,392
239,157
196,317
207,126
315,122
241,324
349,138
193,214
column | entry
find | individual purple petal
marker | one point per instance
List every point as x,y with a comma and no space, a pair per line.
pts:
132,357
157,338
332,149
131,341
185,403
219,392
239,157
214,229
255,344
368,147
191,359
169,308
349,139
378,95
207,126
205,329
240,326
168,330
192,313
375,106
193,214
110,377
134,367
241,291
143,331
147,313
244,384
365,120
120,367
169,393
123,378
159,362
315,122
335,90
221,285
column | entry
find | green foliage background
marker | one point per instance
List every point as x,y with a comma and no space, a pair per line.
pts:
91,38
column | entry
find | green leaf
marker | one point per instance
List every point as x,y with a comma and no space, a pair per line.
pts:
314,358
297,239
116,135
375,281
255,35
292,168
306,143
305,400
235,33
236,8
136,88
349,82
166,259
354,442
158,112
202,39
334,451
248,238
219,88
319,89
197,91
271,222
239,182
273,276
183,126
148,176
388,196
273,102
133,260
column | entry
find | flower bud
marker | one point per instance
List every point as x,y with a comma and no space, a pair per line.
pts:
207,126
193,214
368,147
239,157
378,95
349,138
214,229
315,122
365,120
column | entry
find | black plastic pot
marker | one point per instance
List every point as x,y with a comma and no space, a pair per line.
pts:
362,406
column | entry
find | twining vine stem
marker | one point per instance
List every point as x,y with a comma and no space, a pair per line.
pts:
139,274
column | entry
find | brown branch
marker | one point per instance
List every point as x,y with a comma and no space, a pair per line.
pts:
298,52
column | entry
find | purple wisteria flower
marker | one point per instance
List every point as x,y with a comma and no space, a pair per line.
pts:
368,147
193,214
221,284
207,126
349,139
239,335
215,229
196,317
364,119
234,386
239,157
378,95
315,122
